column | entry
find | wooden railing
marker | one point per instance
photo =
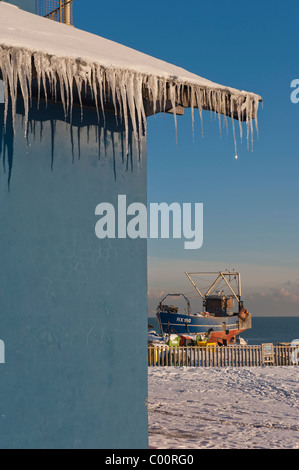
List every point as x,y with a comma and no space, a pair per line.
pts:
224,356
63,13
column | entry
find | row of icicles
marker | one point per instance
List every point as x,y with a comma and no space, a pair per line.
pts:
127,89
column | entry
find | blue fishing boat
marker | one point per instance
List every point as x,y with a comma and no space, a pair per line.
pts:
218,321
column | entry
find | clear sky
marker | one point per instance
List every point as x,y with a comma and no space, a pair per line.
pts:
251,215
28,5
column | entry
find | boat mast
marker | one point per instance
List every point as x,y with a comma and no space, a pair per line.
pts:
240,291
229,286
214,284
196,288
220,275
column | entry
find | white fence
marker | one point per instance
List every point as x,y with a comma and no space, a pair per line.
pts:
224,356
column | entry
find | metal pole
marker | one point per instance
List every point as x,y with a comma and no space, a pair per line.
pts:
213,285
67,12
240,290
196,288
230,287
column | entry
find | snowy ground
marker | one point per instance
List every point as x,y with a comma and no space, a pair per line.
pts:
224,408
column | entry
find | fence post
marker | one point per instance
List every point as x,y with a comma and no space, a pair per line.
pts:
277,359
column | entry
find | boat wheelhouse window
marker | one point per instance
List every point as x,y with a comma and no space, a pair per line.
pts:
1,92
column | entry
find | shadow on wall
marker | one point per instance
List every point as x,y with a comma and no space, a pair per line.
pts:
73,306
106,132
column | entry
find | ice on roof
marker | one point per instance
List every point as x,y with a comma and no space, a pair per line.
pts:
54,53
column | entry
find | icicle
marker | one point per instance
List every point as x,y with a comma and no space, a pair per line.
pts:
125,108
131,105
218,99
192,108
152,85
141,116
232,110
128,90
112,83
199,100
172,95
256,107
99,84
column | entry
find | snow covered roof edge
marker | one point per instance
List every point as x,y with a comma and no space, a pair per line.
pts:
35,47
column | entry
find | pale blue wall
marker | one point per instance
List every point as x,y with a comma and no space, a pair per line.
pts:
73,308
28,5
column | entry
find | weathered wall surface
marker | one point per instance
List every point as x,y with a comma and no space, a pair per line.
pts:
73,308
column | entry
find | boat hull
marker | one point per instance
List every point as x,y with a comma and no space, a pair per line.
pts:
224,328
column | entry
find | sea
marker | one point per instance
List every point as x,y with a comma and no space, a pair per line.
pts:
264,329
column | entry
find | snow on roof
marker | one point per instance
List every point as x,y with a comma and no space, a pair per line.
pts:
36,47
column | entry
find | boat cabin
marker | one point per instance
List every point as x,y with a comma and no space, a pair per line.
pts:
219,305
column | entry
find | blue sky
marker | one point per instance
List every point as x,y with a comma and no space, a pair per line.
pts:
251,215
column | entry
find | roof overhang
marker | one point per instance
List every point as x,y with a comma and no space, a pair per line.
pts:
39,53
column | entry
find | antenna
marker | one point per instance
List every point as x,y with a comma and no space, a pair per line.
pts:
56,10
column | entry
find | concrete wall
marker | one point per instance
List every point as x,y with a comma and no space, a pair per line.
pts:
73,308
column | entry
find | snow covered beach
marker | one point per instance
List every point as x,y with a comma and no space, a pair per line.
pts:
224,408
